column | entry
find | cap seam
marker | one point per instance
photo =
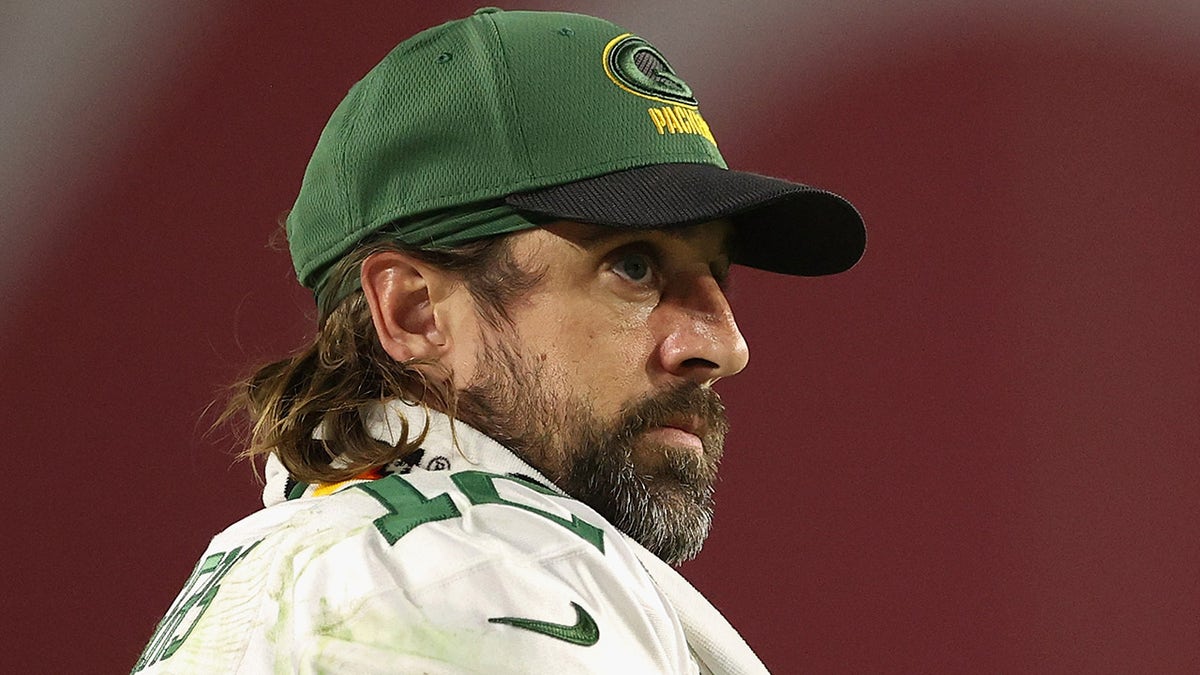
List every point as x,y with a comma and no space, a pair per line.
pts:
511,99
343,181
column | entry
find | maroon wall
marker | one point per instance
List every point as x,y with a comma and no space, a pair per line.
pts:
976,452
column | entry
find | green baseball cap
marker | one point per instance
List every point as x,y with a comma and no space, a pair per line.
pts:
546,115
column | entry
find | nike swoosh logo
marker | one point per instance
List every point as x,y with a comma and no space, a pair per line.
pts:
585,632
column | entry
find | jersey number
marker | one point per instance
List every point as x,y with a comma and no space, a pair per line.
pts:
197,594
408,508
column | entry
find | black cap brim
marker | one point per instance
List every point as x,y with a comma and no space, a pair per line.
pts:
780,226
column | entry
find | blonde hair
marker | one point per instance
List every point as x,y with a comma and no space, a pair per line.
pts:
345,370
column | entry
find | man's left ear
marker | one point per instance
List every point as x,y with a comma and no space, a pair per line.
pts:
398,289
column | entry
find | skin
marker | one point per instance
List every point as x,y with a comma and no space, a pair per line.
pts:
622,315
615,350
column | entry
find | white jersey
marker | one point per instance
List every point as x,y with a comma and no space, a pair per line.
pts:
468,561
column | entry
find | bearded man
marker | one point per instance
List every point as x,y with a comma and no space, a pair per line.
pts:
518,231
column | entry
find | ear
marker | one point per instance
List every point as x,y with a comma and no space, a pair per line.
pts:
398,290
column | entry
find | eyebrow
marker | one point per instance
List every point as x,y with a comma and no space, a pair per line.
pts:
603,233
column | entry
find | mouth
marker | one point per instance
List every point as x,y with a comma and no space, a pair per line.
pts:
684,431
687,423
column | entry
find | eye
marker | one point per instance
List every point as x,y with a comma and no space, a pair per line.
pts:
635,267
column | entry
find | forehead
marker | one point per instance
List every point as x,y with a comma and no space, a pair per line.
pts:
712,237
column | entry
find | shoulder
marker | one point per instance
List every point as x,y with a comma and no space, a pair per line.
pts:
433,521
468,557
448,542
453,567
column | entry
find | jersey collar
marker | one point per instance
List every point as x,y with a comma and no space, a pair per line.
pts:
449,445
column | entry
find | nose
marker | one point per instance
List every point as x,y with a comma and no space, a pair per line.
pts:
699,339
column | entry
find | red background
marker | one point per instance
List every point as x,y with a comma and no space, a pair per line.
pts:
975,452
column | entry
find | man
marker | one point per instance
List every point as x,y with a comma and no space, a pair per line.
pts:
517,228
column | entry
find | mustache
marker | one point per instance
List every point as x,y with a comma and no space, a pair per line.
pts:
690,401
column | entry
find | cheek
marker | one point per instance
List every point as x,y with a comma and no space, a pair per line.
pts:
590,345
606,356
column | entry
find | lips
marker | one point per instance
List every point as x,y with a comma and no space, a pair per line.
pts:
692,424
673,429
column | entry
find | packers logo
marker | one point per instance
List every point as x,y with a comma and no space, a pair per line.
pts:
640,69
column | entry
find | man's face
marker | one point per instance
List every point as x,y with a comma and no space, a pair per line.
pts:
603,379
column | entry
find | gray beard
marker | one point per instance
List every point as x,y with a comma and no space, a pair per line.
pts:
667,508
